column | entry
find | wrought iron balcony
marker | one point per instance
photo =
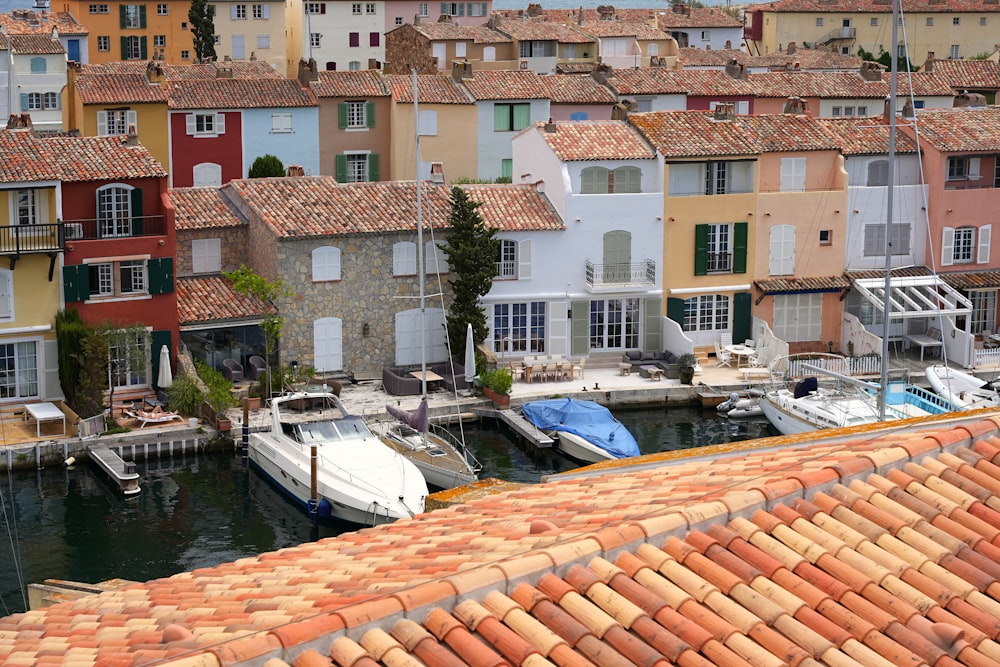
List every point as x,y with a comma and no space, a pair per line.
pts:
91,229
618,275
18,240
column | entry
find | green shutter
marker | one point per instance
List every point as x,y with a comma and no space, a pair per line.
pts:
124,48
675,310
136,196
701,250
522,116
501,117
157,340
76,282
740,248
142,17
122,20
370,114
580,327
142,48
161,275
372,167
741,316
24,101
342,115
653,337
340,171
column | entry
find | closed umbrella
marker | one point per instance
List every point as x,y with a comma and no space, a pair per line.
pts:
165,377
470,355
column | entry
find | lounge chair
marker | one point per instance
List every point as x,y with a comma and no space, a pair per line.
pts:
232,370
257,366
155,416
722,357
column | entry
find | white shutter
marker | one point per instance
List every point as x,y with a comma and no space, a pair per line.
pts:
6,295
232,12
132,121
974,169
189,124
742,107
948,246
793,174
428,123
328,344
524,259
267,11
404,259
102,123
198,256
983,252
781,258
686,179
220,123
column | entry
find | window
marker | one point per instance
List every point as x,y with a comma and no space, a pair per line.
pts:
356,8
453,8
50,100
239,12
960,246
874,22
132,16
281,123
819,21
19,369
38,65
373,38
114,210
33,101
124,375
706,35
477,9
314,38
781,251
207,174
398,20
710,178
521,325
793,174
369,8
122,278
507,261
354,39
422,9
428,123
963,168
720,256
356,115
185,54
600,180
984,310
257,11
798,317
874,244
982,20
826,237
614,323
98,9
956,20
205,124
325,264
27,207
162,9
354,66
709,312
6,294
930,21
878,173
357,168
315,8
132,47
511,117
206,255
263,41
103,43
404,259
159,40
116,121
435,261
506,170
720,248
955,52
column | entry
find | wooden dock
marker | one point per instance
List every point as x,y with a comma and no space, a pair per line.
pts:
522,426
121,472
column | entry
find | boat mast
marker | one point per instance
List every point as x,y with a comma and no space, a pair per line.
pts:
886,300
420,242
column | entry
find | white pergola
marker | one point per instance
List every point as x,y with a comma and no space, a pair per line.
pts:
916,297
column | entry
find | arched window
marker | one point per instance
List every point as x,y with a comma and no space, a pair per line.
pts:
207,174
878,173
117,203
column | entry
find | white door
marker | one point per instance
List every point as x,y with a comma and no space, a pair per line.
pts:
328,344
781,258
408,336
238,50
207,174
440,51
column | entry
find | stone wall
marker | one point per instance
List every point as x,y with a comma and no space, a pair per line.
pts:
233,245
405,48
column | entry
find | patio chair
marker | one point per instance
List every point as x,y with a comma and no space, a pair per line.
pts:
988,342
578,366
155,416
726,338
516,370
232,370
722,357
257,366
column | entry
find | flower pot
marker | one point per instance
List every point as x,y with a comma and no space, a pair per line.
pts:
499,400
254,402
224,425
686,374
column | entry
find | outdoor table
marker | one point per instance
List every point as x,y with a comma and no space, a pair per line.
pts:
740,351
44,412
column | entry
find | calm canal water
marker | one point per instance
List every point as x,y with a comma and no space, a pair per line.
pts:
200,511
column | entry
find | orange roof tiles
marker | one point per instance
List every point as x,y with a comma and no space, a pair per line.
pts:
35,44
119,89
661,81
203,208
565,89
25,157
595,140
869,553
964,74
237,93
41,23
964,129
505,85
866,136
431,89
364,83
540,29
477,34
205,299
878,6
802,83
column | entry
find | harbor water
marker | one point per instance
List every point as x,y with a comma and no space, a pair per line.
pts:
201,510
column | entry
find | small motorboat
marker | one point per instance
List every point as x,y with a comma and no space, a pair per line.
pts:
741,407
965,390
586,431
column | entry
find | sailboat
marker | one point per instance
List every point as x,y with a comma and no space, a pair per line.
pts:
444,461
809,407
963,389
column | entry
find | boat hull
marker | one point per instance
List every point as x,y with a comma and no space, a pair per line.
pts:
580,449
784,421
965,391
441,464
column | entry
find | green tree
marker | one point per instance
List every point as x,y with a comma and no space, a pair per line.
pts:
267,166
472,250
885,60
120,350
70,332
203,29
246,281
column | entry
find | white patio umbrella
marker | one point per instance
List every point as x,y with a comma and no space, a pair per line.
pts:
165,378
470,355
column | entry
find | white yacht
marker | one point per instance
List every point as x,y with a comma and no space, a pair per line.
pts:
965,390
357,477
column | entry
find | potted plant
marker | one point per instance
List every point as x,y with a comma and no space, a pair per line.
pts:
220,395
496,386
686,364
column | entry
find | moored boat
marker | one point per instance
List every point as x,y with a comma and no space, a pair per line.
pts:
965,390
586,431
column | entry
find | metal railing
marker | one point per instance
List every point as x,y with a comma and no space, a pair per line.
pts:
24,239
720,262
89,229
635,273
506,270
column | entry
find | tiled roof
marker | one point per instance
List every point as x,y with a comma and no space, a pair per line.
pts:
119,89
575,68
317,206
35,44
808,59
963,129
42,24
505,85
865,136
203,208
637,29
879,6
701,17
573,89
240,69
596,140
804,284
514,207
26,158
541,29
364,83
431,88
697,133
876,548
972,279
662,81
963,74
445,31
841,84
205,299
690,56
237,93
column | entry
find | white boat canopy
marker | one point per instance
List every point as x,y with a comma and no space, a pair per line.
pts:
914,297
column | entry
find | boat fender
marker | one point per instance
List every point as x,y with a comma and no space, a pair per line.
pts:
325,508
69,462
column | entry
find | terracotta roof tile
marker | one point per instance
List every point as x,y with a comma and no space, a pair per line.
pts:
213,299
35,44
505,85
237,93
621,28
833,85
861,136
364,83
965,74
38,23
119,89
595,140
26,157
566,89
662,81
706,17
431,89
965,130
540,29
203,208
445,31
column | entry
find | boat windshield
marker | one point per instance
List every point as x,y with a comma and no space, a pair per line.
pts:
349,428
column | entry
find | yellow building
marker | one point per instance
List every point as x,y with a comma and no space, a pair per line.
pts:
253,30
946,28
134,30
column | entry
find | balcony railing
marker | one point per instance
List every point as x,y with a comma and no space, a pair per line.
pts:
92,229
636,273
720,262
506,270
28,239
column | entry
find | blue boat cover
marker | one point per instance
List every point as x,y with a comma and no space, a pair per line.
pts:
586,419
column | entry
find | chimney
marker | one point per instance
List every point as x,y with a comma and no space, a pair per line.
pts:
795,106
534,9
550,127
624,107
444,18
601,73
678,8
131,139
460,70
224,72
724,111
728,45
871,71
307,72
579,16
437,173
887,109
296,170
929,63
791,49
736,70
908,109
253,56
968,100
416,19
